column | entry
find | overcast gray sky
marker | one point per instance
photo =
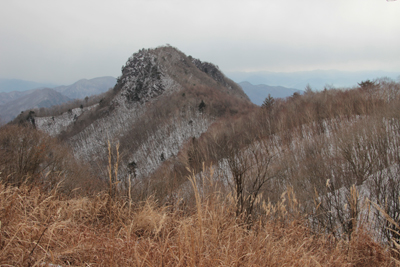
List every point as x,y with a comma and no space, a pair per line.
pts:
63,41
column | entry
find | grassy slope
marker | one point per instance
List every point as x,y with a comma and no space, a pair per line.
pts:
39,228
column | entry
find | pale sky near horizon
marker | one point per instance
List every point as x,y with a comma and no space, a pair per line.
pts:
63,41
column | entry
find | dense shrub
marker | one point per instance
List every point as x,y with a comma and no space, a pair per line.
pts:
28,156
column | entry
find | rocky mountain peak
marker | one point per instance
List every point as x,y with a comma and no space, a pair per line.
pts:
141,77
151,72
162,99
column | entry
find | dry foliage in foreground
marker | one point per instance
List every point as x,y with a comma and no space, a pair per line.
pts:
40,229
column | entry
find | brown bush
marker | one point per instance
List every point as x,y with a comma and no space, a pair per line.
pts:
28,156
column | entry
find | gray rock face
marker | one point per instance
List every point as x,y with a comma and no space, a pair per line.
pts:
141,78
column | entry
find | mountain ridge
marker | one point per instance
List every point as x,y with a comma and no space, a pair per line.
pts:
12,103
161,100
9,85
32,99
87,87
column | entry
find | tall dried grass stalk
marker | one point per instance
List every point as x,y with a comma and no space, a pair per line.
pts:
79,233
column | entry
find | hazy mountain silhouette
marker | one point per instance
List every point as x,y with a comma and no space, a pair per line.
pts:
39,98
9,85
317,79
257,93
85,87
12,103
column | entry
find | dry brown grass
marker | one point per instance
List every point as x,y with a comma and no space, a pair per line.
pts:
39,228
42,226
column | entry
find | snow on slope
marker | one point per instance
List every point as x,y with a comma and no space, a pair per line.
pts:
54,125
144,81
167,141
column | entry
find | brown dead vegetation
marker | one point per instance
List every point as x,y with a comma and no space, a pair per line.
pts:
41,228
284,189
321,144
31,157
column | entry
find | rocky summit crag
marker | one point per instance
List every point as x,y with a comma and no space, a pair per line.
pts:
162,99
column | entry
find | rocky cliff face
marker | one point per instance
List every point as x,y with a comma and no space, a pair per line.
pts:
143,78
152,111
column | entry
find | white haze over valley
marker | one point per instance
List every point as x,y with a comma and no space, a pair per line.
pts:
62,42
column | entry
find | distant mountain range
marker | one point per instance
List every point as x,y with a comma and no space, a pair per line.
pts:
12,103
317,79
39,98
84,87
257,93
10,96
18,95
9,85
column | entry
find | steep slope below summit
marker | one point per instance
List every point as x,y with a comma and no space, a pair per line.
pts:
162,99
